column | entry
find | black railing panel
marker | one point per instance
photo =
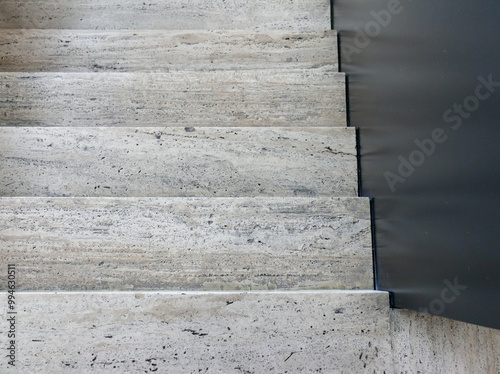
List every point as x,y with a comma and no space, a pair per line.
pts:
424,91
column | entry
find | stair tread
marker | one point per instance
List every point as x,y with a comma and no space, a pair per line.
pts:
188,243
173,14
176,161
334,332
160,50
269,97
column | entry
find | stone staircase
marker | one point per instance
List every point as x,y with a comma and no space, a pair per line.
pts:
179,192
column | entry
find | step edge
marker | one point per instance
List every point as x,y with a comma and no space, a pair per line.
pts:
285,70
163,128
174,31
235,198
198,293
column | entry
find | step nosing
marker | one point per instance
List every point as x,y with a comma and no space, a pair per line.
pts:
175,31
172,128
215,198
258,71
205,293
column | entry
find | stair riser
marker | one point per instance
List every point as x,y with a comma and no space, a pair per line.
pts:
264,98
302,15
188,244
140,50
216,333
209,162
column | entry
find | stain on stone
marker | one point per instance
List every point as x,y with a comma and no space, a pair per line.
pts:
189,129
195,332
303,192
243,370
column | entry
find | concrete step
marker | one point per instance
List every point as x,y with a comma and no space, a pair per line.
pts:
219,98
163,50
304,15
283,332
148,161
188,243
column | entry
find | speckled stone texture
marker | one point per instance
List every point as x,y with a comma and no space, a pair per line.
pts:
282,332
181,173
303,15
123,161
188,243
220,98
160,51
430,344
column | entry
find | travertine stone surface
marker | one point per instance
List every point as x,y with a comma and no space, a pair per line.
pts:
281,332
187,243
160,51
303,15
431,344
219,98
209,161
